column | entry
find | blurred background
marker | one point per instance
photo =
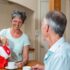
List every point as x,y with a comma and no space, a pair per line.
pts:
35,10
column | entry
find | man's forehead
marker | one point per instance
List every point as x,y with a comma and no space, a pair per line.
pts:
44,21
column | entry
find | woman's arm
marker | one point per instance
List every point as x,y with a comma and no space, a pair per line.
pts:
25,54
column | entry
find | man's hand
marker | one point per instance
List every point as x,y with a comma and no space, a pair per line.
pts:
19,64
38,67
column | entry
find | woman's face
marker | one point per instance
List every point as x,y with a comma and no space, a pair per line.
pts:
16,23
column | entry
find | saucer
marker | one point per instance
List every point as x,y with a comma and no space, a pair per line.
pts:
15,67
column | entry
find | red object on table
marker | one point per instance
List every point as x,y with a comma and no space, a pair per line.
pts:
3,62
7,50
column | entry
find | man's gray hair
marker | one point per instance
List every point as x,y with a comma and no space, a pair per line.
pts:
57,21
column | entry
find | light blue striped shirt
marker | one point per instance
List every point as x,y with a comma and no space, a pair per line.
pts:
58,56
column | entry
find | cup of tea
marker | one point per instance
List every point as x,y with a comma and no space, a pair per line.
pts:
26,68
11,64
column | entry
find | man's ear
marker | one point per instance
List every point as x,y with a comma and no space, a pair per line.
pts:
47,28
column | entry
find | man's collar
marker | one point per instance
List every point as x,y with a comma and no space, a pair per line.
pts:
55,46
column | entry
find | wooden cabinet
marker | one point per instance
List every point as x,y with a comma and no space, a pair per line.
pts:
55,5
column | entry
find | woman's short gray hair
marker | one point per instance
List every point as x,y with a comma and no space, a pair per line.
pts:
21,15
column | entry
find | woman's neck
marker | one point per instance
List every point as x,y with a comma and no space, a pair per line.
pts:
16,33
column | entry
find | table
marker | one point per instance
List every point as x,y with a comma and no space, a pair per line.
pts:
30,63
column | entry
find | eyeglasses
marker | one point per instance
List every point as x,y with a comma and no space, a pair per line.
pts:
16,21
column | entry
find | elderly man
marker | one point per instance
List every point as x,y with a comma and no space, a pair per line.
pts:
58,55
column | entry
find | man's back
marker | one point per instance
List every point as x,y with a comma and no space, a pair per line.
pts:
59,58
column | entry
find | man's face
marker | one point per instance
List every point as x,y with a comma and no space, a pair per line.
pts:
44,28
44,31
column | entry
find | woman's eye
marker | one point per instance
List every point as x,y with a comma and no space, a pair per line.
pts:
14,21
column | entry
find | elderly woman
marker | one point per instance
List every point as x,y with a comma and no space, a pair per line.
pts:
18,40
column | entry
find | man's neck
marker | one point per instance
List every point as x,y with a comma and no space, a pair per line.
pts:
54,39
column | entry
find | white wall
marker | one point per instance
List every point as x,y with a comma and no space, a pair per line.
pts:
67,33
63,6
31,4
41,12
66,9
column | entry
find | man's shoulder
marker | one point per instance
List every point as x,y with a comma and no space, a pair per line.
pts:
66,47
64,50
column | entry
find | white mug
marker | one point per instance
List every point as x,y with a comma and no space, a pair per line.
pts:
11,64
26,68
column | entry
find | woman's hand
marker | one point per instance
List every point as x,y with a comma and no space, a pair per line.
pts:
19,64
4,41
38,67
